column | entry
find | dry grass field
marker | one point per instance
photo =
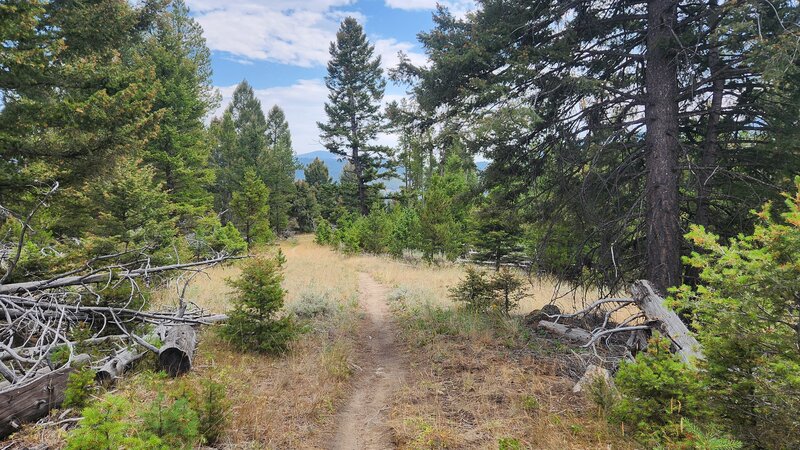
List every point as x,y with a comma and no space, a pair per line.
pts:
470,382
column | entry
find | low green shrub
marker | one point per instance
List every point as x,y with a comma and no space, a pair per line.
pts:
659,394
174,422
483,293
79,388
212,406
106,426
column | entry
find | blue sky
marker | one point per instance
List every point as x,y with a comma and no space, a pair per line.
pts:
281,48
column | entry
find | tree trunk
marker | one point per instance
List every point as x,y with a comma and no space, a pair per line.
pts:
661,116
175,356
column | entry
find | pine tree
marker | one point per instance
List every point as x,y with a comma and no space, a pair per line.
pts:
278,167
356,85
180,151
250,207
250,123
131,209
240,143
316,173
74,100
224,159
305,208
255,322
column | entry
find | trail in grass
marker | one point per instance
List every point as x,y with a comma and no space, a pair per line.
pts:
362,423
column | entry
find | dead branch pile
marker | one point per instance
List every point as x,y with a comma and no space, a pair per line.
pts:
623,325
40,320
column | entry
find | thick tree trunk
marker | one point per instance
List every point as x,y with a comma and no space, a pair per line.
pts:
175,356
661,115
708,160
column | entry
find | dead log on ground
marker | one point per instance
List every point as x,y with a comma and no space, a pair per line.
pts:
571,333
651,314
118,365
33,399
175,356
664,319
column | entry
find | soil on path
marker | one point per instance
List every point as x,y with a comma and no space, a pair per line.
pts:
362,423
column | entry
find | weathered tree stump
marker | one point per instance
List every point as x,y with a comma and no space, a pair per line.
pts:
175,356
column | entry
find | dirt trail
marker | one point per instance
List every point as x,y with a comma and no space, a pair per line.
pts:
362,423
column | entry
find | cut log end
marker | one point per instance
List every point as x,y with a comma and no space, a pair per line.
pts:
175,356
174,361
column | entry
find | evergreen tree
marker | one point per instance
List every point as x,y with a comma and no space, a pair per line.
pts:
316,173
240,143
74,100
255,322
356,85
611,103
325,191
224,158
131,209
250,123
305,209
180,151
278,167
250,207
497,228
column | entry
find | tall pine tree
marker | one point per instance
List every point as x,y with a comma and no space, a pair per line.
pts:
356,85
180,151
277,168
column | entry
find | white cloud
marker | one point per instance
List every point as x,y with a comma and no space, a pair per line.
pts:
283,31
388,49
457,7
303,104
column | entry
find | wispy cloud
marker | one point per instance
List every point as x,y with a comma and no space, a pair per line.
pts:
283,31
457,7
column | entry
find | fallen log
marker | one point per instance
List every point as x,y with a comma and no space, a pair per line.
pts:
175,356
572,333
116,366
32,400
665,320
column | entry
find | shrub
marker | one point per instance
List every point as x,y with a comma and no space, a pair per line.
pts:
475,290
508,288
105,427
79,388
254,324
175,423
210,236
658,392
324,233
212,408
482,293
312,304
746,314
404,233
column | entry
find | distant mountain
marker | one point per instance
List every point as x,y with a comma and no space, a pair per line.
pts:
336,167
